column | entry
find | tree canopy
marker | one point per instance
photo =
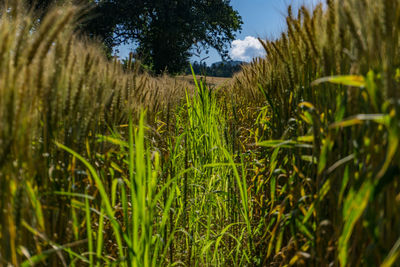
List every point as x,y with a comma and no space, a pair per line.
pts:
165,33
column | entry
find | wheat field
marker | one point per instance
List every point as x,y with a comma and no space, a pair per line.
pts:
293,161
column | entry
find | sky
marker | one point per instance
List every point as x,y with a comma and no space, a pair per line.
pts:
261,18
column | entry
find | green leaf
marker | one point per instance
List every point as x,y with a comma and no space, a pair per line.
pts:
306,138
112,140
309,158
348,80
277,143
360,118
393,255
324,154
353,208
391,150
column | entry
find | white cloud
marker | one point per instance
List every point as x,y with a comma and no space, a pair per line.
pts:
247,49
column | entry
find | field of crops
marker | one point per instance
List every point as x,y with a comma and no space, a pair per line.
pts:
295,161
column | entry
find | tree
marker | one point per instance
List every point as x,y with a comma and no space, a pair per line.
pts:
165,31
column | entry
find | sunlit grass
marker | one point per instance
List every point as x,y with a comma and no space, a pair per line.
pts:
295,162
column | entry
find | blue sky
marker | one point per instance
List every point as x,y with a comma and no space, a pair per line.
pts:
261,18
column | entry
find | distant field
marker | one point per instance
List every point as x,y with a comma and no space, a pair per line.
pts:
211,81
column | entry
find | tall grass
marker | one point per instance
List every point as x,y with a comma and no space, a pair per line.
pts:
295,163
135,196
327,193
57,87
213,211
